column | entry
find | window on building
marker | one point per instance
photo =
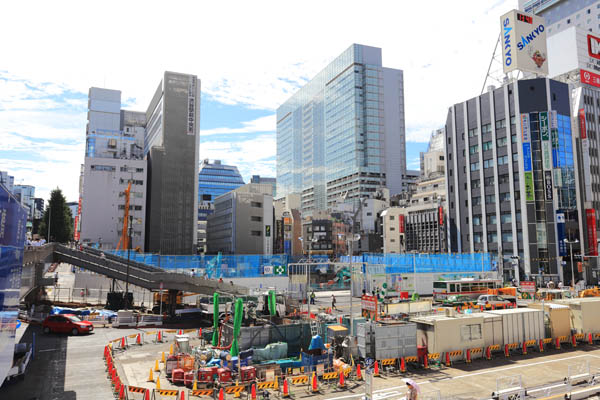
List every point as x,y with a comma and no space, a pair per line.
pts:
471,332
507,237
501,124
474,149
391,217
489,163
475,184
487,145
490,199
475,166
513,120
505,218
477,237
476,220
489,181
513,138
502,160
476,200
256,233
255,218
108,168
255,204
505,196
473,132
491,219
501,141
492,237
487,128
139,170
502,178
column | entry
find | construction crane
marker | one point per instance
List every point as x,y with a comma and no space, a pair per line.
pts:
124,241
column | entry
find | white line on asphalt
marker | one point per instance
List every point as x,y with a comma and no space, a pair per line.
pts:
41,351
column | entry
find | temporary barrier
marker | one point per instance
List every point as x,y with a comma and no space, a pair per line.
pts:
412,359
267,385
166,392
135,389
329,376
433,356
234,389
201,392
388,361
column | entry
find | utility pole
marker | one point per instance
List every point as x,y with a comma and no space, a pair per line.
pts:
49,219
570,243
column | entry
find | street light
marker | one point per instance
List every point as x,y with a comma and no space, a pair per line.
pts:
570,243
515,262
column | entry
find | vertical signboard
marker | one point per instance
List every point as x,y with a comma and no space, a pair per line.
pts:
401,223
527,156
523,39
548,184
544,126
560,229
529,188
441,215
191,112
525,128
582,127
585,152
546,145
590,215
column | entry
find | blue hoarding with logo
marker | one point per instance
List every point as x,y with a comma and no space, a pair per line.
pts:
527,156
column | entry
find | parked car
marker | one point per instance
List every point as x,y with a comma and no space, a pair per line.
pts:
457,300
489,300
66,323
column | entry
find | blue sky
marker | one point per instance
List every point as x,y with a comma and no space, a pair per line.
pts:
250,57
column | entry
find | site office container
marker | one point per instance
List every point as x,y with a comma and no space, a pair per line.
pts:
492,329
441,333
585,314
521,324
557,318
387,340
408,307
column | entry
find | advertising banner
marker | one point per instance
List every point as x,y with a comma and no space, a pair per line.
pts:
529,188
548,184
582,128
75,231
441,215
560,229
525,133
544,131
523,39
554,137
589,78
590,215
401,223
527,286
546,155
557,177
553,120
527,166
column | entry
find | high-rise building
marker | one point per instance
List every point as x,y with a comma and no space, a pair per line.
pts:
262,179
214,179
343,132
113,159
563,14
242,222
7,180
25,194
511,183
172,145
432,161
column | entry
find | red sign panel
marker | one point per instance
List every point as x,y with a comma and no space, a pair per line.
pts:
528,286
589,78
593,46
441,214
401,223
75,231
582,128
590,215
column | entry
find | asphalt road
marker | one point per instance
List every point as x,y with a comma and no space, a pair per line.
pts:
65,367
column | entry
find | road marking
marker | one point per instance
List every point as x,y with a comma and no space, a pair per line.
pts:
41,351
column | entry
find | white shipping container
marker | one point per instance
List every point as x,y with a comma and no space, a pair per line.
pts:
521,324
492,329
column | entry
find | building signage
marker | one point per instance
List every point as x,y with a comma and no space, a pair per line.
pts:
401,223
557,177
582,127
525,133
590,215
441,215
548,184
523,39
544,126
553,120
560,230
547,155
527,286
527,156
529,188
554,137
593,46
268,230
75,232
191,114
589,78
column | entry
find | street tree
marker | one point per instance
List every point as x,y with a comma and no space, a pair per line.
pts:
60,228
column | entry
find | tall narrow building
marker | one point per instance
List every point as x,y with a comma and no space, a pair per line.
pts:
343,132
172,149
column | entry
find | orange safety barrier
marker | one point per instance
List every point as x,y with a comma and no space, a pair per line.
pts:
202,392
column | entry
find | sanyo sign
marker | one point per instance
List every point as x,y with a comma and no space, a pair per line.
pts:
523,38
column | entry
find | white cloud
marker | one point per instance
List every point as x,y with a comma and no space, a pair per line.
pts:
262,124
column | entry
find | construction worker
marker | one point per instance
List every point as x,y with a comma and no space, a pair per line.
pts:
312,297
333,302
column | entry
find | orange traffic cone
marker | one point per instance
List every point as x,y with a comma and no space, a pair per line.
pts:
123,342
590,340
557,343
376,369
147,394
180,332
448,362
151,376
122,392
156,369
286,391
426,361
541,345
468,356
199,332
506,351
573,341
358,372
342,382
524,348
253,392
138,339
221,395
488,353
182,395
159,336
315,386
402,365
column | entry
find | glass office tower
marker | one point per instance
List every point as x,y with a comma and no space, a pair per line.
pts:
343,132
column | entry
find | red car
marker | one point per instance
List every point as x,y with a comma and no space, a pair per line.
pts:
66,323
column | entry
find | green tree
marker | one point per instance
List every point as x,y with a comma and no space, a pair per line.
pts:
61,221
